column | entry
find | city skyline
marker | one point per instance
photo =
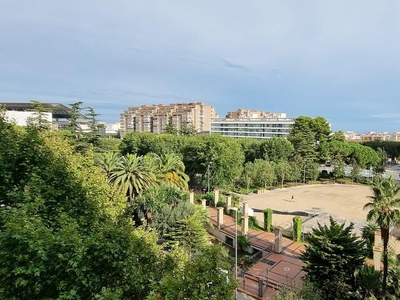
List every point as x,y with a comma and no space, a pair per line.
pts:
335,59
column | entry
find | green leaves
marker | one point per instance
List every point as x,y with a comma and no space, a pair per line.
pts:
332,256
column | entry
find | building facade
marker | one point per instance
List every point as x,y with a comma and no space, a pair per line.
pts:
154,118
253,124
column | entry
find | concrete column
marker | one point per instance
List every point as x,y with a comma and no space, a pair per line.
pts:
278,240
228,203
191,197
216,197
245,225
378,238
220,217
245,209
377,258
204,203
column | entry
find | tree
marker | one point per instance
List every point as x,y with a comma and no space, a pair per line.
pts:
264,173
74,119
338,136
368,235
368,281
221,156
109,162
277,149
249,174
187,129
202,276
383,211
332,256
306,291
132,176
41,116
170,128
93,135
303,137
282,171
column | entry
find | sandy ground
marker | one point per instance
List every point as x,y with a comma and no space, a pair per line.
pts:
339,199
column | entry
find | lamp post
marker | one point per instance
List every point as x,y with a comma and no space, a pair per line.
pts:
208,177
236,247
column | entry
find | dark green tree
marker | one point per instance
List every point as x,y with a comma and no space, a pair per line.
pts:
332,256
383,210
40,118
75,119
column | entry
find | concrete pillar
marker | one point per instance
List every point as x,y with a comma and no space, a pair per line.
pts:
204,203
378,238
220,217
278,240
377,258
191,197
216,197
228,203
245,209
245,225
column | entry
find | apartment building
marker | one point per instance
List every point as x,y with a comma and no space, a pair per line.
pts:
253,124
154,118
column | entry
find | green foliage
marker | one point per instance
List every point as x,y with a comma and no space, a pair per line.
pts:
297,226
338,169
243,242
368,281
170,128
277,149
383,210
282,171
64,233
40,119
268,220
203,276
392,148
189,232
331,257
306,291
368,235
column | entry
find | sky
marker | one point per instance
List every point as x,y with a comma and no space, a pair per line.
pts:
335,59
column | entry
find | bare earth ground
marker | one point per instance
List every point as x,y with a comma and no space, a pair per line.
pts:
338,199
342,200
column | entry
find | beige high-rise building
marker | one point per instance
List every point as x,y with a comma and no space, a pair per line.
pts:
154,118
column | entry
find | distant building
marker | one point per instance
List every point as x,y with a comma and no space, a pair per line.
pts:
22,113
253,124
154,118
372,136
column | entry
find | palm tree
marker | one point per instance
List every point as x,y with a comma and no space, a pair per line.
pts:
173,171
132,176
108,161
383,210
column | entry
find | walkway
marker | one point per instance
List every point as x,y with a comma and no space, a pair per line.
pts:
273,268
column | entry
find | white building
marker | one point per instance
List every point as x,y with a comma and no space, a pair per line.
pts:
253,124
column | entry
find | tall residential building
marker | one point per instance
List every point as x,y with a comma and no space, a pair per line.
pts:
253,124
154,118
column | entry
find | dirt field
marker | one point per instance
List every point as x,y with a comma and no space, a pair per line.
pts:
338,199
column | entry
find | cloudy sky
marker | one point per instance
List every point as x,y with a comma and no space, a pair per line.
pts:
337,59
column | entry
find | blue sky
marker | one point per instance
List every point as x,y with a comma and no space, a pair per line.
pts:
337,59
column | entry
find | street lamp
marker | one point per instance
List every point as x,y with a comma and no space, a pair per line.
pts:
236,246
208,177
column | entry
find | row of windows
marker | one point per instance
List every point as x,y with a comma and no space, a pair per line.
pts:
216,125
222,130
